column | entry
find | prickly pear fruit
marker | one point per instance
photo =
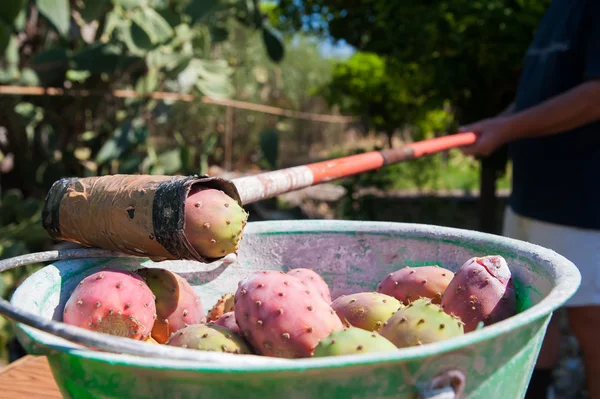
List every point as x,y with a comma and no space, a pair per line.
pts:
313,281
212,338
281,317
353,340
115,302
223,305
419,323
151,340
213,222
228,321
481,291
177,305
410,283
366,310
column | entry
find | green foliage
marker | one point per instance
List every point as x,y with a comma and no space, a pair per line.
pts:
469,51
383,92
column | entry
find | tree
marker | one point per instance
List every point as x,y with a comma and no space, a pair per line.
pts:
97,46
383,92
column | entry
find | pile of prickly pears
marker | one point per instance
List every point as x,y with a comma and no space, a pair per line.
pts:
292,315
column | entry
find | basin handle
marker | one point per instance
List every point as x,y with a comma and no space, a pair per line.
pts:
449,384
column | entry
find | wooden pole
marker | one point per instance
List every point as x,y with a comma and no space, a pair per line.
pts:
228,137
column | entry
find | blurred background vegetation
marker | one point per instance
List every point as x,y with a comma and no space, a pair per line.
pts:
404,70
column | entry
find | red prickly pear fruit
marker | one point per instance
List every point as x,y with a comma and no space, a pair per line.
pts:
411,283
313,281
281,317
351,341
177,305
213,222
228,321
366,310
224,304
212,338
482,290
114,302
421,322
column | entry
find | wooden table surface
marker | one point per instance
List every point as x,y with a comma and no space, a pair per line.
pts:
28,378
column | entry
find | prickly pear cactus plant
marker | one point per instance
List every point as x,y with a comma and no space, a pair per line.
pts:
177,305
224,305
212,338
113,302
419,323
351,341
281,317
412,283
366,310
481,291
313,281
228,321
213,222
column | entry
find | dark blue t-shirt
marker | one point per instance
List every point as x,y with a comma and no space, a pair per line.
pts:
557,178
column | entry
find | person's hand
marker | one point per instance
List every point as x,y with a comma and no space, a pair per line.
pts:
491,134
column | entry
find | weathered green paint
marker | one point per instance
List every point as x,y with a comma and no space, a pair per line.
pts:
352,256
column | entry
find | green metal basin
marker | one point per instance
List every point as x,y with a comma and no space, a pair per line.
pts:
494,362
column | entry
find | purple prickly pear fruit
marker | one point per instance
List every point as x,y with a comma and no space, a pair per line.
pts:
281,317
228,321
351,341
223,305
114,302
313,281
213,222
212,338
421,322
410,283
481,291
177,305
366,310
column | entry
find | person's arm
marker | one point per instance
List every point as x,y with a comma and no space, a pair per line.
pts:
576,107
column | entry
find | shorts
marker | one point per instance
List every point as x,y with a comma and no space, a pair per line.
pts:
580,246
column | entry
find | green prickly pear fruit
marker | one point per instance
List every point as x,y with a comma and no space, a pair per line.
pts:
213,222
419,323
353,340
366,310
212,338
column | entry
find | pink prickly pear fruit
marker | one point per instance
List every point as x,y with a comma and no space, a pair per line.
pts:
481,291
313,281
213,222
114,302
177,305
366,310
227,320
281,317
212,338
411,283
224,305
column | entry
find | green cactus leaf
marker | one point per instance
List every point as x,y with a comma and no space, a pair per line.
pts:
51,65
126,4
10,9
155,26
94,9
102,58
171,161
58,12
5,33
198,9
273,43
